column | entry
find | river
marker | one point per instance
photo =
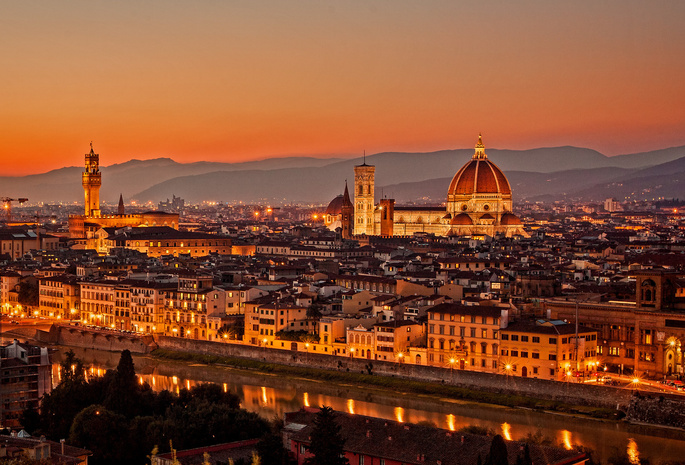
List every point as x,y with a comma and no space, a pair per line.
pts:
270,396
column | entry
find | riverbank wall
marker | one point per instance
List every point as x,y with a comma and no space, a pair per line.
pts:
88,338
656,409
575,393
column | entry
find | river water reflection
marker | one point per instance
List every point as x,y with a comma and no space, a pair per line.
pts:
271,396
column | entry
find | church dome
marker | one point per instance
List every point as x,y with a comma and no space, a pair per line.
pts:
479,176
509,219
335,207
462,219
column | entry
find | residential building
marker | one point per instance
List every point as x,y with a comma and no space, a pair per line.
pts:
25,376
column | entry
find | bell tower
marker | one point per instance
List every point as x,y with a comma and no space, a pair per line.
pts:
364,187
91,180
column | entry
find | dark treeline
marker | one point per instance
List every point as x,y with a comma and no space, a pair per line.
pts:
121,420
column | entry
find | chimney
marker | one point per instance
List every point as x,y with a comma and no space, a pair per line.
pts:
463,438
368,433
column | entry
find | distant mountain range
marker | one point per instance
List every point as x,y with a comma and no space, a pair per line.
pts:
537,174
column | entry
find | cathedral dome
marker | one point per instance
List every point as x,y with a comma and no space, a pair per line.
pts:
479,176
335,207
462,219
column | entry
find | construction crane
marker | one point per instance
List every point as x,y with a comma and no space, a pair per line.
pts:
7,201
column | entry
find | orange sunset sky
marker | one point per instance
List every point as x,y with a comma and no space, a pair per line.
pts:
241,80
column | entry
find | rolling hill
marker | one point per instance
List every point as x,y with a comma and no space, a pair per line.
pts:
537,173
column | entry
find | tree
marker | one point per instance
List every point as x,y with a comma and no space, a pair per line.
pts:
523,458
122,393
28,293
314,311
498,452
30,419
270,447
71,369
327,445
94,428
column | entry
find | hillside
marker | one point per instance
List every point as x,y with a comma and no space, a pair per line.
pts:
543,172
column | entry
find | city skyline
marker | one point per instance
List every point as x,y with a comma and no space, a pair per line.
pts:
234,82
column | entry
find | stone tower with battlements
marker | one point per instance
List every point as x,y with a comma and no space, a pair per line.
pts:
91,180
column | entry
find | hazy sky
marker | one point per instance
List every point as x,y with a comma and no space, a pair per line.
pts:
238,80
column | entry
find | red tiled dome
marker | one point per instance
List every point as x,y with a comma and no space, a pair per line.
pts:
462,219
509,219
479,176
335,207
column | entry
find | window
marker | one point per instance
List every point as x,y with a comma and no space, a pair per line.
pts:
484,333
505,337
524,338
535,370
524,354
536,339
514,353
614,351
553,340
514,337
552,356
551,371
535,355
473,332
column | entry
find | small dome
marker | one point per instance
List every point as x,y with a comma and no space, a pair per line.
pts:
487,216
462,219
509,219
335,207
